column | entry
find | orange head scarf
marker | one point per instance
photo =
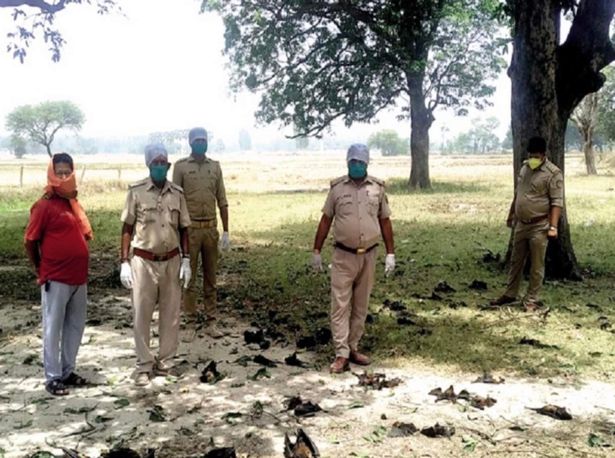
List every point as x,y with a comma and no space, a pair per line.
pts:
67,188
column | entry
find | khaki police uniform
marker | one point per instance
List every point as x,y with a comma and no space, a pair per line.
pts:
537,191
356,210
204,188
157,216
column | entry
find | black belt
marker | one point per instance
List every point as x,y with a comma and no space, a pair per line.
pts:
354,250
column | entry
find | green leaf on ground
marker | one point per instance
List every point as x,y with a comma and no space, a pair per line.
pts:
230,417
121,403
23,424
593,440
156,414
356,405
79,410
469,443
377,435
261,373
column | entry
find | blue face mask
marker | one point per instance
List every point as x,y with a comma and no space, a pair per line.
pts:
199,148
357,170
158,172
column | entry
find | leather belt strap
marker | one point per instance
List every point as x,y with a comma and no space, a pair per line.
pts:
204,223
155,257
354,250
536,219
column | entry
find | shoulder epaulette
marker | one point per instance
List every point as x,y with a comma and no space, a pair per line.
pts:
176,187
138,183
183,159
551,167
338,180
376,180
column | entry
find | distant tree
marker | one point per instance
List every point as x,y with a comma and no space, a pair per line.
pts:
585,118
480,139
388,142
572,138
507,143
302,143
33,16
174,140
40,123
606,106
318,61
18,146
245,141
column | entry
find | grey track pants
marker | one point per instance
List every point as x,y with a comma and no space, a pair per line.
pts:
64,312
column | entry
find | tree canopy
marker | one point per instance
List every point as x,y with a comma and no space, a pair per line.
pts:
40,123
32,17
315,62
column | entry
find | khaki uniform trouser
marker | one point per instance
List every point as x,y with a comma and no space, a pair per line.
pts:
156,282
352,279
528,239
203,241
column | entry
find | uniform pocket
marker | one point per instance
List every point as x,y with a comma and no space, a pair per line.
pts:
373,204
344,206
147,215
173,211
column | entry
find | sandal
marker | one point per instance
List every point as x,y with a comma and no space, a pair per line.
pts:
56,387
75,380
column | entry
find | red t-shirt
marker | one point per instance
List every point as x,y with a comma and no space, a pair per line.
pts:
64,250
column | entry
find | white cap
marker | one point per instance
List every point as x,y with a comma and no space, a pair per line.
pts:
358,151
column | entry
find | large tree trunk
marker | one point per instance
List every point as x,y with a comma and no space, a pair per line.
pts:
420,122
588,151
535,108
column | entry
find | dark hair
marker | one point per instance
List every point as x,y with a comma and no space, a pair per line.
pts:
62,158
537,145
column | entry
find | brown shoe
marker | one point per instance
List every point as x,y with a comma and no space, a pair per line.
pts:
359,358
503,300
339,365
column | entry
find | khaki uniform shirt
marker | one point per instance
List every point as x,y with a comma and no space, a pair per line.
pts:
203,186
156,214
538,190
356,210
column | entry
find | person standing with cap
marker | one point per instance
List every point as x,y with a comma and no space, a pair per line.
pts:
56,244
155,220
203,185
358,208
534,214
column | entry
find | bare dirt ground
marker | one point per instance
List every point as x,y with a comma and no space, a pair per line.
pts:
184,417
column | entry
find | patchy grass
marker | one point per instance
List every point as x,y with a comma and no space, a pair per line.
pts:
441,235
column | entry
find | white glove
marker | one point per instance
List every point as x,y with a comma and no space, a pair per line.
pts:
389,264
126,275
317,262
225,243
185,272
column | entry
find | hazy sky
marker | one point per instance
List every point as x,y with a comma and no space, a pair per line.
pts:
159,66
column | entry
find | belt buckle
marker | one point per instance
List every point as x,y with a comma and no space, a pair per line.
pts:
360,250
158,257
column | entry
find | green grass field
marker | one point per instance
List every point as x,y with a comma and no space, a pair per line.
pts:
441,235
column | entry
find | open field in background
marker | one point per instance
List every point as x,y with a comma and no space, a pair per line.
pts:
441,235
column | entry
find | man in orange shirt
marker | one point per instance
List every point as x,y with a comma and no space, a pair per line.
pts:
56,243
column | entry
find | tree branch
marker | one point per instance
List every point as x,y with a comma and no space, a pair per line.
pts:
587,50
50,8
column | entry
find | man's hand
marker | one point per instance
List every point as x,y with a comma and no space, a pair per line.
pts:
185,272
126,275
225,242
317,261
552,232
510,221
389,264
